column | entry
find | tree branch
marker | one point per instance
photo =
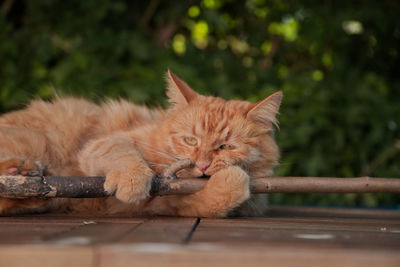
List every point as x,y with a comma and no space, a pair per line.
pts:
166,183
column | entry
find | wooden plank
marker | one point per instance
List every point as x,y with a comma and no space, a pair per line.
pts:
323,238
68,218
28,230
39,229
46,256
350,240
215,255
57,217
30,233
342,224
92,233
306,233
161,230
307,212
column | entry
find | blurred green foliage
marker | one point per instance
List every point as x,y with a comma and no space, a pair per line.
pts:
337,63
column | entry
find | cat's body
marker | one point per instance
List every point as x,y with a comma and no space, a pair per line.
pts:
228,140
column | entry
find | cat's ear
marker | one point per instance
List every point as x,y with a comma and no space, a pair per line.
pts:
265,111
178,91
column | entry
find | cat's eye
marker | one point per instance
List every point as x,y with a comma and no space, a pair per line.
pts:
191,141
226,147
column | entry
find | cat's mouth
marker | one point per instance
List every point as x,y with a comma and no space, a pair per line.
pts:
204,176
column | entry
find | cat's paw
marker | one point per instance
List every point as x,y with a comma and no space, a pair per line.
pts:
22,167
130,185
230,187
235,182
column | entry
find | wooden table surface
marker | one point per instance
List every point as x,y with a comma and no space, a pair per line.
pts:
285,237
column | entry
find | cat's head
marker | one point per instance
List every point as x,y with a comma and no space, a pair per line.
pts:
216,133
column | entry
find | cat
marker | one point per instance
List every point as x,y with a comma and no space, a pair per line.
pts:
229,141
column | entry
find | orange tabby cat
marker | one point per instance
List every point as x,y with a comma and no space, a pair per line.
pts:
229,141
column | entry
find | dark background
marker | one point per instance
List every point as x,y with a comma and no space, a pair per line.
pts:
337,63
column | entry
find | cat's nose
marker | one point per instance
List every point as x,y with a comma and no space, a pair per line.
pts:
203,165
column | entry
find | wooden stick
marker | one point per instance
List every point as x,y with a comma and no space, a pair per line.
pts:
324,185
166,183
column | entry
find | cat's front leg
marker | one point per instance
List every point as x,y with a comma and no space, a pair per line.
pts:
127,174
226,190
131,182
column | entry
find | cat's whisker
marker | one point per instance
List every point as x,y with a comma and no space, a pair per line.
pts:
151,148
160,153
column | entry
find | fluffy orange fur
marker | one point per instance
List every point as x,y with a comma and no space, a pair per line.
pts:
229,141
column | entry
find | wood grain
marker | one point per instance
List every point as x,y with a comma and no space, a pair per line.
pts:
322,237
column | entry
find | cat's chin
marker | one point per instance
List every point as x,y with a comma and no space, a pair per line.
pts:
195,173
